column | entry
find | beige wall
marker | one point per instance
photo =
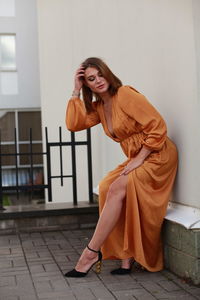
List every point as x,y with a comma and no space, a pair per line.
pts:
149,44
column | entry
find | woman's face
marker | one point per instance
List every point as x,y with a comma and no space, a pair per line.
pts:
95,81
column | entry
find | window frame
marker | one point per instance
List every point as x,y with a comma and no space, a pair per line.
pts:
5,143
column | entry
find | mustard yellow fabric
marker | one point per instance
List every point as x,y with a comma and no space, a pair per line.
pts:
135,123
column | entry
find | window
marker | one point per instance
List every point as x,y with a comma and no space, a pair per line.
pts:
22,121
8,79
7,45
7,8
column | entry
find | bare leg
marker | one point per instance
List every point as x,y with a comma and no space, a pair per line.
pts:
110,213
108,218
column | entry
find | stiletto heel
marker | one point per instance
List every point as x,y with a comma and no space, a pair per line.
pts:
98,267
74,273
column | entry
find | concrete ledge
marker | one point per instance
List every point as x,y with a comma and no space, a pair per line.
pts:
47,209
43,217
182,250
187,216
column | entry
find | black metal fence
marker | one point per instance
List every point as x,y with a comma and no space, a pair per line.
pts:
18,187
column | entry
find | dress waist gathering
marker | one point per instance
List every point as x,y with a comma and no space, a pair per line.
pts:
132,144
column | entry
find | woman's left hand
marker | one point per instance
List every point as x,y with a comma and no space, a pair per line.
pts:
134,163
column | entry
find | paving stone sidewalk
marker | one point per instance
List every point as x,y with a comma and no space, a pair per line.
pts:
32,267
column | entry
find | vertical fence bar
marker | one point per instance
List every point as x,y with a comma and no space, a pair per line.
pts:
1,187
48,153
89,157
16,165
74,179
61,159
31,162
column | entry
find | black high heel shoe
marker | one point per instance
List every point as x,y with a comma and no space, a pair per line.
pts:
74,273
122,271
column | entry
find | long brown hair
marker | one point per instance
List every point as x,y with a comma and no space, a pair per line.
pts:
114,81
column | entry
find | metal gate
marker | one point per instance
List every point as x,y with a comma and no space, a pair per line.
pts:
47,155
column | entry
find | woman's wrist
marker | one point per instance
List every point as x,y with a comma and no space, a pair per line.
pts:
144,152
76,93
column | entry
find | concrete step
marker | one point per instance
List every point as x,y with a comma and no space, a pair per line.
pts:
48,216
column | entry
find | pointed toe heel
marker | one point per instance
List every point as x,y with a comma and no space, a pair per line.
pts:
121,271
76,274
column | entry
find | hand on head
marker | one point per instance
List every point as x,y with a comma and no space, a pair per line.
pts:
78,80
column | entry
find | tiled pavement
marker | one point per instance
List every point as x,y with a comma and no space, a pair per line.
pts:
32,267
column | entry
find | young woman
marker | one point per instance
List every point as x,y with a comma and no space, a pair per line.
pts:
133,198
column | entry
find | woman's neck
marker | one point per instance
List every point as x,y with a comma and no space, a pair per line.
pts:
105,97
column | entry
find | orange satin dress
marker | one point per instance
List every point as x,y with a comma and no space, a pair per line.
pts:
135,123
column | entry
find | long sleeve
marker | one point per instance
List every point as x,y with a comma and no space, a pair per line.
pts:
77,118
137,107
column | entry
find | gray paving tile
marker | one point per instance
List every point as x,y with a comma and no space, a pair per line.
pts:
169,285
123,286
7,281
39,268
9,252
102,293
13,271
5,264
9,298
124,295
28,297
155,289
140,294
175,297
19,262
40,261
83,293
56,295
45,274
51,267
109,279
4,251
59,284
17,291
194,291
66,297
43,287
24,280
48,278
34,269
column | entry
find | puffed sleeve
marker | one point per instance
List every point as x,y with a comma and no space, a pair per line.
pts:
77,118
136,106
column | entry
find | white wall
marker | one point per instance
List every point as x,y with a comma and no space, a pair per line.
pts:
24,25
196,15
149,44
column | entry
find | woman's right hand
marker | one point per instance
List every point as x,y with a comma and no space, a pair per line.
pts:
78,80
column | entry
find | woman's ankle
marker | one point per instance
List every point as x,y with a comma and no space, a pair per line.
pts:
89,254
92,247
126,263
